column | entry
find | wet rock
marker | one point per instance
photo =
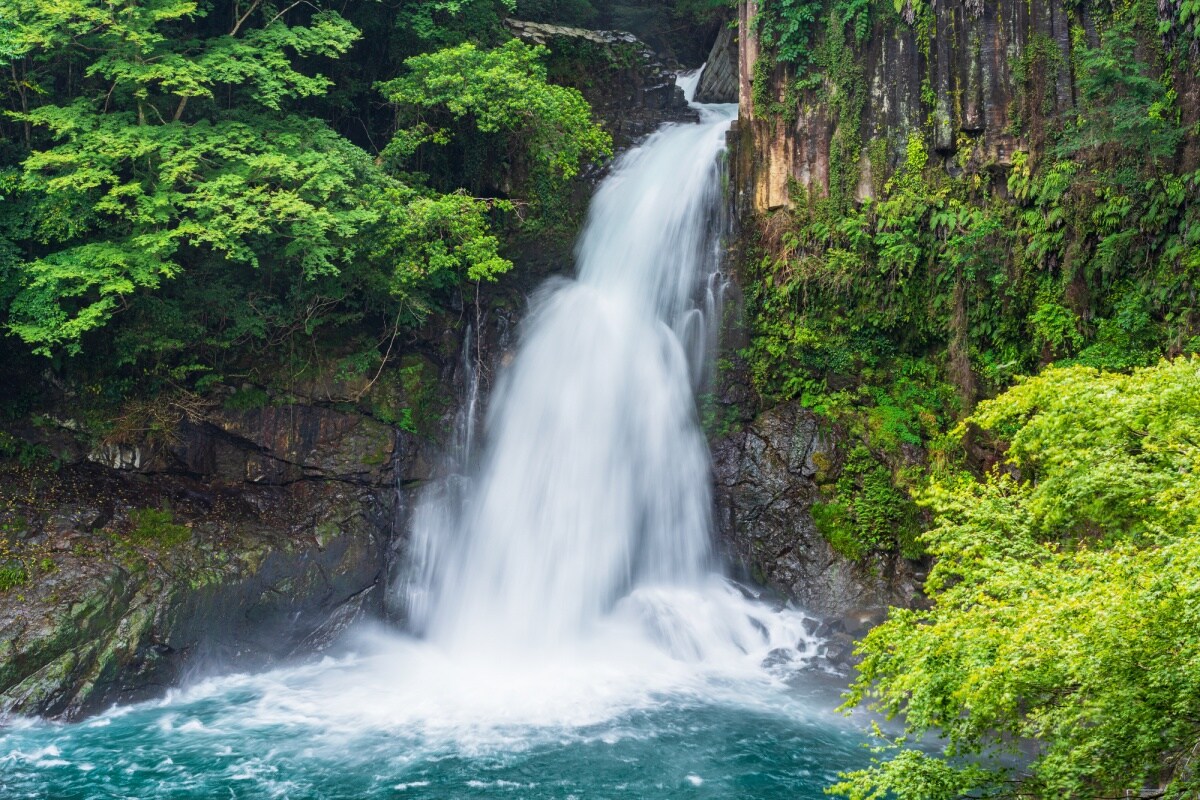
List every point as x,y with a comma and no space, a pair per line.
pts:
292,442
859,621
764,494
84,516
719,81
778,657
836,655
961,79
117,615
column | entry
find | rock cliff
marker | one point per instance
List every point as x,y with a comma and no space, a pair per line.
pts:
719,82
247,537
978,79
827,122
766,483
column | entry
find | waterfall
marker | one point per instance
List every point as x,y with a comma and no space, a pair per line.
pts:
591,501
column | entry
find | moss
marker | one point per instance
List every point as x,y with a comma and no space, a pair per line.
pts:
716,419
326,533
157,528
247,399
834,524
824,467
380,455
409,398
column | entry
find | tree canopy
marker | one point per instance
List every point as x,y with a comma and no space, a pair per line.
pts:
174,177
1061,656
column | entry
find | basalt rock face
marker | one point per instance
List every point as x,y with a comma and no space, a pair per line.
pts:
982,84
231,537
255,524
979,83
766,483
719,81
630,90
768,465
136,577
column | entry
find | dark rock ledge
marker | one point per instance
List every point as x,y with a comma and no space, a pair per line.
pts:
248,538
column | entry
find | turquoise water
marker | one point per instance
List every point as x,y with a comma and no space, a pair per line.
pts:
392,722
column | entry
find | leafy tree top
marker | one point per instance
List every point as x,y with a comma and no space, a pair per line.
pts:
1067,605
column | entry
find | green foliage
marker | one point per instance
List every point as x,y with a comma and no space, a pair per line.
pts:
1120,102
244,190
871,514
1056,327
436,241
856,16
1090,257
20,556
12,575
156,528
934,262
176,212
1066,602
444,23
501,90
247,399
25,454
787,28
1182,19
577,13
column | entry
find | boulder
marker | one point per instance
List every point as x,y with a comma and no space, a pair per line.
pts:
119,603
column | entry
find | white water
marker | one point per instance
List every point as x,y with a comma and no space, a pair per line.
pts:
587,526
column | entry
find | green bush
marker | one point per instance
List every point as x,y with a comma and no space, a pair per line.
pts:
12,575
1066,604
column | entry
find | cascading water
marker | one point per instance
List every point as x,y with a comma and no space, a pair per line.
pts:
573,636
595,480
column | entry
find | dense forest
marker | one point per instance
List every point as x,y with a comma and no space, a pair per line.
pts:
1002,341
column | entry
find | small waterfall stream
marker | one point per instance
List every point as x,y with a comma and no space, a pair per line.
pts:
571,632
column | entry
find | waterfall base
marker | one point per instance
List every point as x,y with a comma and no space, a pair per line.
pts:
640,708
